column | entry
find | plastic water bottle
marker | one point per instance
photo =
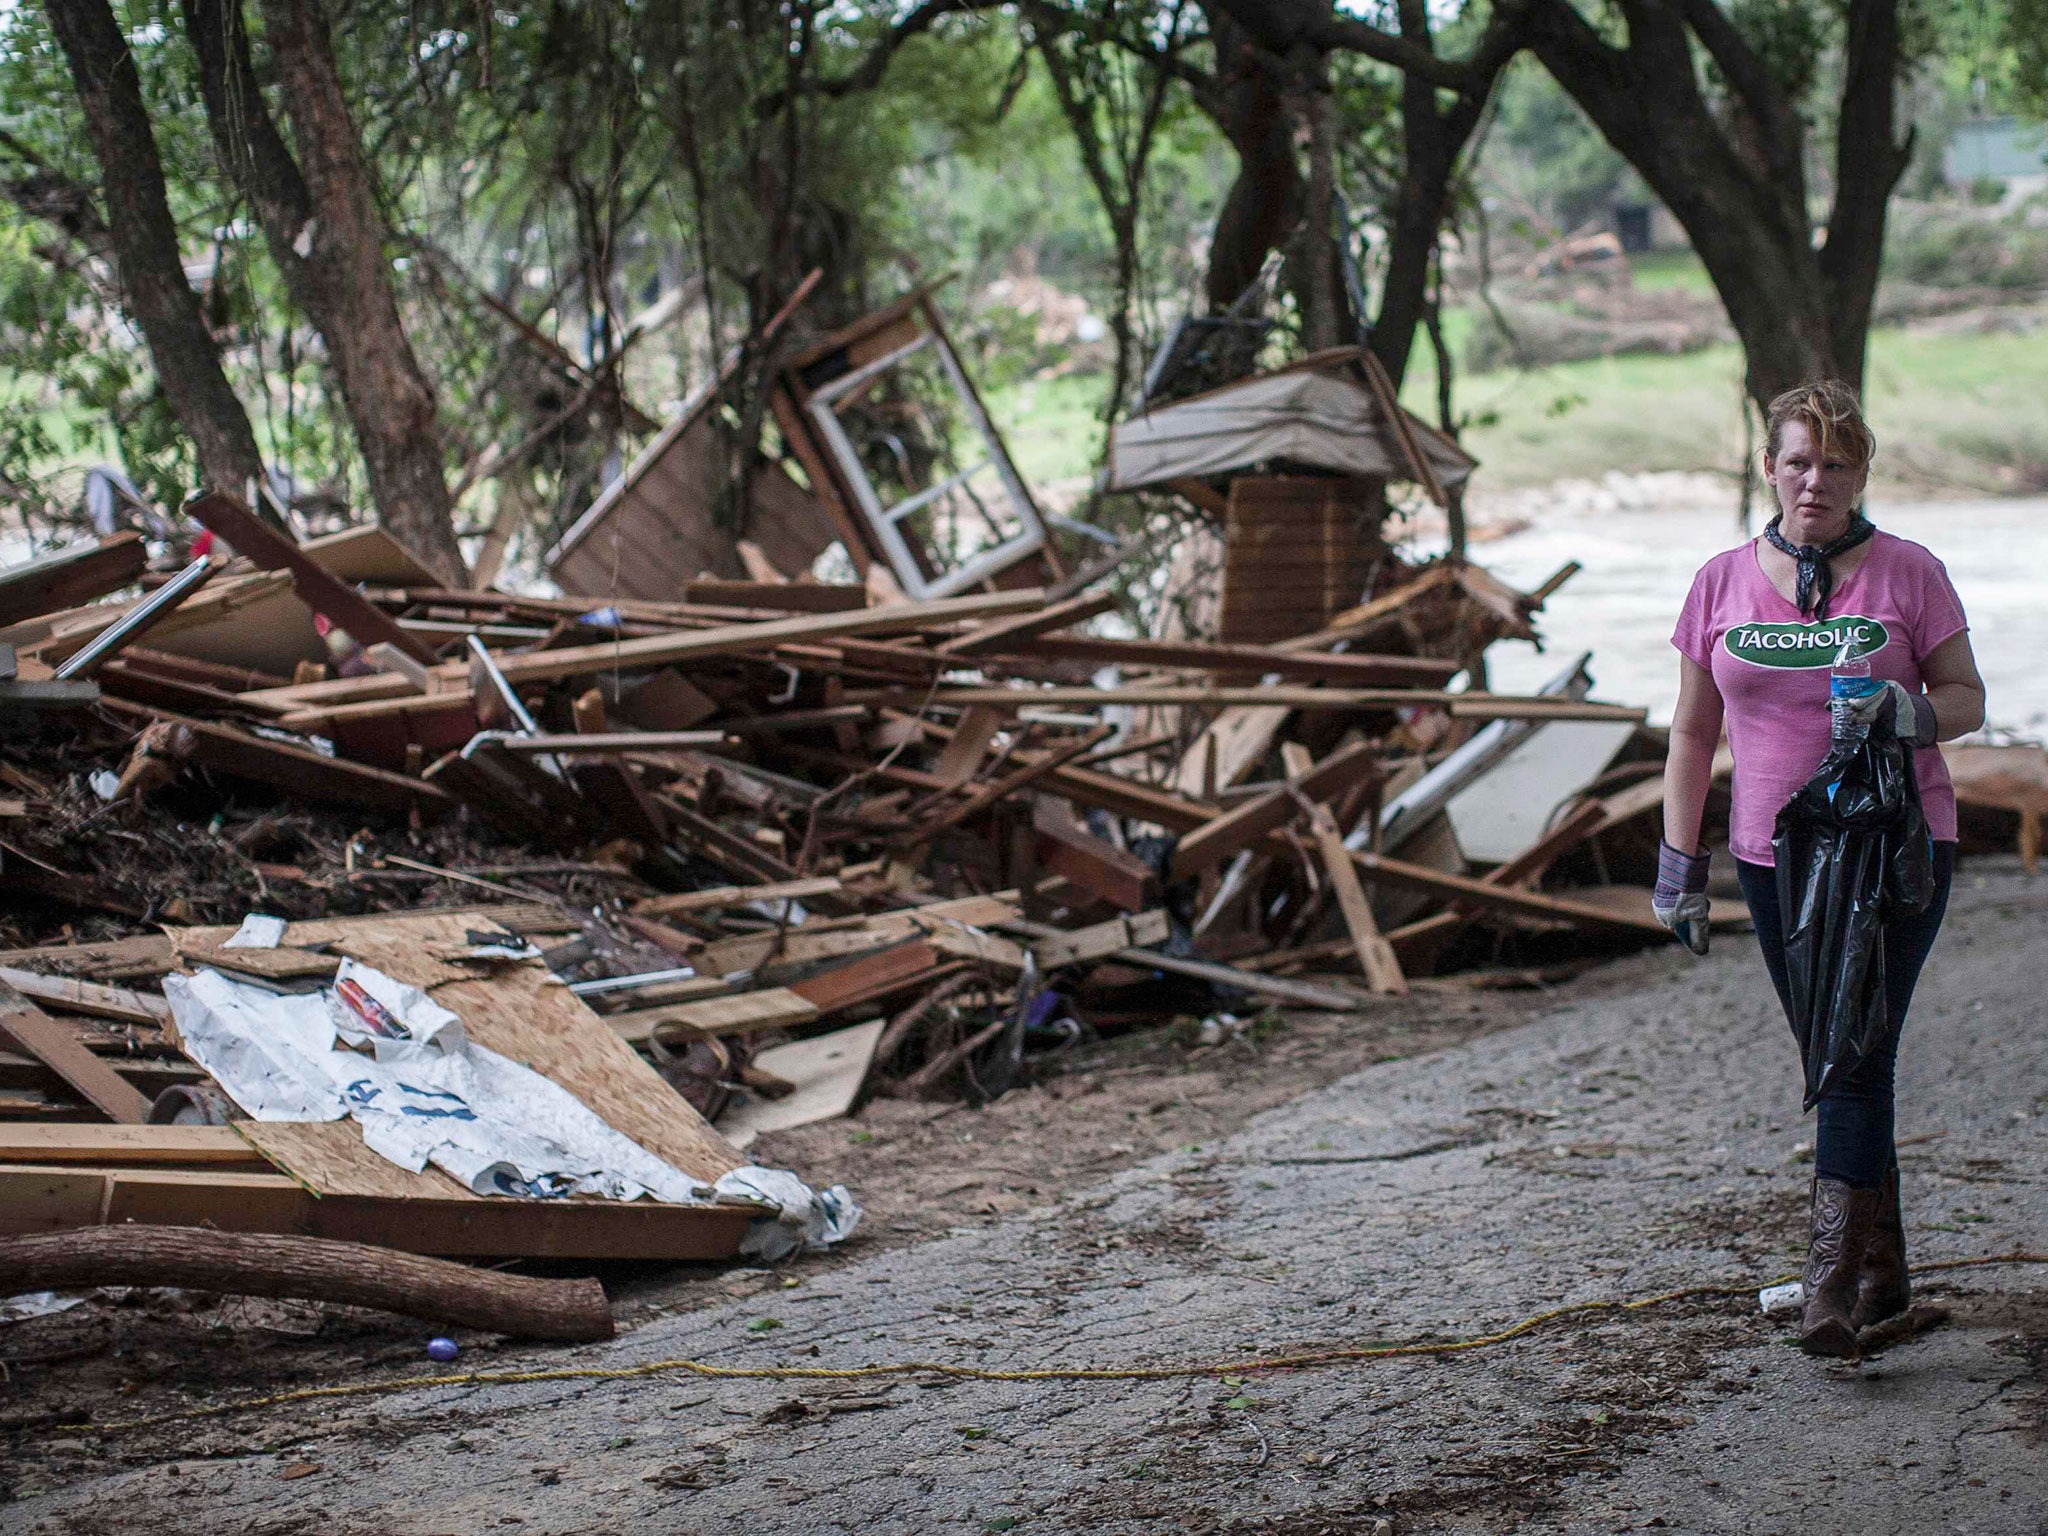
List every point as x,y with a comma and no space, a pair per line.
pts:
1849,678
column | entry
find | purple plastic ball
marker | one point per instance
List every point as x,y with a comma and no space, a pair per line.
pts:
443,1350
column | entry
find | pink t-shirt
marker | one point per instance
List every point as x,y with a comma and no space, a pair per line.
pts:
1771,665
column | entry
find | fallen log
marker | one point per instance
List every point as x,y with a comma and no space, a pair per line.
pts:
307,1269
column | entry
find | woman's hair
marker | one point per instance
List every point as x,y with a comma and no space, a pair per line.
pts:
1831,413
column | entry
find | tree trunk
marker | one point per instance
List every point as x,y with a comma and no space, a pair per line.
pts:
1265,200
145,244
327,237
1800,314
307,1269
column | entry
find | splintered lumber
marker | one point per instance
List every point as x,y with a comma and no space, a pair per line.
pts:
650,651
1283,988
1187,655
299,771
789,596
58,1048
1243,825
721,896
742,1013
318,588
998,634
868,978
1009,784
1375,955
962,755
69,577
73,996
1465,890
1086,862
375,1202
308,1269
1098,941
603,743
128,1146
1474,706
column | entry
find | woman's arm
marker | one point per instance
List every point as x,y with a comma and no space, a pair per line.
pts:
1689,767
1954,688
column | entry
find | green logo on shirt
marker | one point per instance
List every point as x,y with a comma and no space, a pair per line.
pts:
1813,644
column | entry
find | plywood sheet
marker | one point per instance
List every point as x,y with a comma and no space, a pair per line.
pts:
827,1071
521,1011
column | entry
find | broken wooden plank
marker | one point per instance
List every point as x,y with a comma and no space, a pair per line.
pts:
49,1198
300,772
721,896
741,1013
1183,655
1396,872
67,578
869,978
59,1049
1245,824
1102,869
789,596
996,634
100,1002
962,756
1473,706
1376,957
650,651
129,1145
1098,941
317,587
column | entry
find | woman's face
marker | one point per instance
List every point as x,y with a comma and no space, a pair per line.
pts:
1816,492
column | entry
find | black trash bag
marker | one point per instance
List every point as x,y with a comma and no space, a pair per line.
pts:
1853,851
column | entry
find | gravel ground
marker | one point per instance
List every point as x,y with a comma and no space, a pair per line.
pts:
1642,1136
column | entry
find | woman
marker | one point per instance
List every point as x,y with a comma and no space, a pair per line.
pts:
1757,637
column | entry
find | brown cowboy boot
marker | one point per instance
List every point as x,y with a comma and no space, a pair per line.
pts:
1883,1289
1842,1220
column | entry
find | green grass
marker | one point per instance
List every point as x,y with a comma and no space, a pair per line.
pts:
1652,270
1053,426
1954,414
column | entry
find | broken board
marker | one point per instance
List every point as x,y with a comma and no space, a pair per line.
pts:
827,1070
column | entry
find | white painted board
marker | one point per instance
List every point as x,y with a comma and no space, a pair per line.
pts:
1508,808
827,1071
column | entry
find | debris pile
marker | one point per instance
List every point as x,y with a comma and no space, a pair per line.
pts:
714,855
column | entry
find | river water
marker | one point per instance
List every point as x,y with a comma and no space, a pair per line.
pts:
1639,553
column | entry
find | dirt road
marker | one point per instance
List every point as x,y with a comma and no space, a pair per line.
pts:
1636,1139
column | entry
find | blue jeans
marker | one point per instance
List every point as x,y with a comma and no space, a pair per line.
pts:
1854,1140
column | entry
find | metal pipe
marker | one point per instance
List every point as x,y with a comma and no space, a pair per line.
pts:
137,621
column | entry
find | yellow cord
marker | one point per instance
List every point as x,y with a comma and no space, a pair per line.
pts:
1235,1367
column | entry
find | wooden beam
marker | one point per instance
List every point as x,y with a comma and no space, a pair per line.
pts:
999,633
736,895
1245,824
741,1013
85,997
1473,706
70,577
318,588
49,1198
1376,957
790,596
57,1047
1379,867
650,651
301,773
1102,869
869,977
964,753
128,1145
1177,655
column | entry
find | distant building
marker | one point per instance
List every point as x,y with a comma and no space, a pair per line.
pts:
2005,149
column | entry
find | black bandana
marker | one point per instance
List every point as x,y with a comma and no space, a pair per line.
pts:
1816,580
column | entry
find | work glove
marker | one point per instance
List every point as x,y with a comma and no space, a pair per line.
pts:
1890,707
1680,898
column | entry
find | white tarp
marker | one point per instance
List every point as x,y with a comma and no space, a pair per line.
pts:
1308,416
441,1099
